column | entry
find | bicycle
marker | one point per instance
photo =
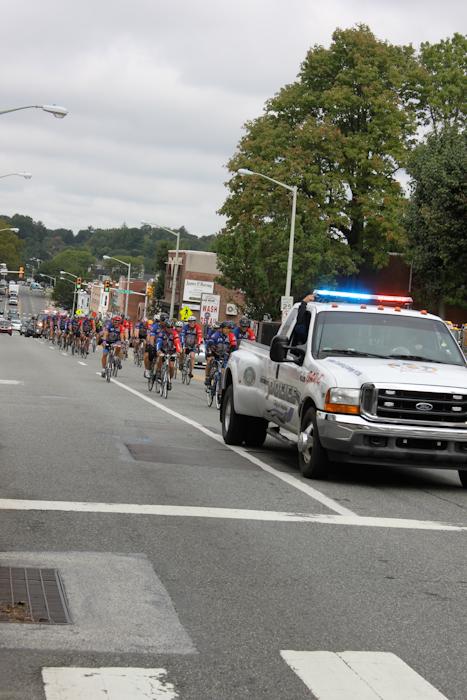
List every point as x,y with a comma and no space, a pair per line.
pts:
138,353
163,378
111,368
214,390
186,368
152,375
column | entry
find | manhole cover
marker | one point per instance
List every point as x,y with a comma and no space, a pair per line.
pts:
32,596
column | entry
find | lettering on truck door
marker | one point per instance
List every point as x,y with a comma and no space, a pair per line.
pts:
282,385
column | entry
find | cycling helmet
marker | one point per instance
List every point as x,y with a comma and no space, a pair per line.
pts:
169,323
244,322
164,318
192,318
179,324
225,324
117,319
216,325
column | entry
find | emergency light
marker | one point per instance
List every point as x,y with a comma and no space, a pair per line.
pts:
330,295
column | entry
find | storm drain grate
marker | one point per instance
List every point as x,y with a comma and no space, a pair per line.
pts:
32,596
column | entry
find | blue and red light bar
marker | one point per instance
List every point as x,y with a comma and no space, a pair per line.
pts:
330,294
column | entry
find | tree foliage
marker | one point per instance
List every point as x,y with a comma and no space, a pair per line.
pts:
11,247
436,217
78,262
443,87
340,133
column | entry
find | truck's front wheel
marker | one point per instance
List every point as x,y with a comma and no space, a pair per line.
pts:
233,424
312,457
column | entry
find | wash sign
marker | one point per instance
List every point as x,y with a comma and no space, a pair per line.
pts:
209,311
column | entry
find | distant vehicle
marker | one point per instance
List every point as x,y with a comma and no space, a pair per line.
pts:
13,289
12,313
200,357
36,285
31,329
5,327
16,324
13,301
24,326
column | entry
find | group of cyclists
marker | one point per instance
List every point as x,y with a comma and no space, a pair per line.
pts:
154,340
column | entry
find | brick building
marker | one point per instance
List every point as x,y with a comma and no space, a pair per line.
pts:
196,275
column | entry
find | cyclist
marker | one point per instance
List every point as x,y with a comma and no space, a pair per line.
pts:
113,334
87,328
243,331
150,349
219,344
140,334
62,324
191,338
167,343
75,329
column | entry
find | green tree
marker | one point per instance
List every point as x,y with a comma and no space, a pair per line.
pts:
436,218
162,255
11,247
340,133
443,86
77,261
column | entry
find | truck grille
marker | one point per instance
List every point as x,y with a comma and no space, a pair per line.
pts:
422,406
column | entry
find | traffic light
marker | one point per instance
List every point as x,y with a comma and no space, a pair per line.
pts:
21,272
107,286
78,283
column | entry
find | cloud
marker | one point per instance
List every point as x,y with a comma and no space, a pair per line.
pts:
158,93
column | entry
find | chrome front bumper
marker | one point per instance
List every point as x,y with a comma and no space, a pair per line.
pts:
353,439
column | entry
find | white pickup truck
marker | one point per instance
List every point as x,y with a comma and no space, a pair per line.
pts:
367,382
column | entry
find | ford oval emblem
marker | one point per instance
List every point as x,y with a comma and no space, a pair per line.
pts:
424,406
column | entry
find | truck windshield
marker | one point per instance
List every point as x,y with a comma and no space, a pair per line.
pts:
383,335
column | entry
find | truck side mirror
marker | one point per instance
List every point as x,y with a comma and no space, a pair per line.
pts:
278,349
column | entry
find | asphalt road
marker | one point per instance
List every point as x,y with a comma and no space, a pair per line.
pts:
175,552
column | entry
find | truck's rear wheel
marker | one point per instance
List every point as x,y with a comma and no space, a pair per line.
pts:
312,457
255,431
463,477
233,424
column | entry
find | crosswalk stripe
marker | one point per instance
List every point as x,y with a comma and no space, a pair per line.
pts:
107,684
366,675
181,511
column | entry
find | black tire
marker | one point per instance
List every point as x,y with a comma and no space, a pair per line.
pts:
463,477
255,431
108,371
165,384
313,462
233,424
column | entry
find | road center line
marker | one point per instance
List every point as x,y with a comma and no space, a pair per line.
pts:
287,478
226,514
85,364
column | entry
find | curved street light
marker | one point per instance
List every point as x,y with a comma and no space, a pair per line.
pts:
56,110
293,189
122,262
174,276
13,230
27,176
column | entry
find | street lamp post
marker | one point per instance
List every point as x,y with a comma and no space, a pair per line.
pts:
27,176
57,111
13,230
293,189
174,275
75,277
122,262
50,277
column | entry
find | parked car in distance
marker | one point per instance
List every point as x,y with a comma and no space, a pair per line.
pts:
16,324
13,301
24,325
31,329
5,327
200,357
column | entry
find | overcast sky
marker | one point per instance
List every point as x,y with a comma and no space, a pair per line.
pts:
158,91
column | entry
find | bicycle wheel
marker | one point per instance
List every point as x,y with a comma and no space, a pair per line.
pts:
114,366
218,391
210,393
108,369
165,383
151,379
73,348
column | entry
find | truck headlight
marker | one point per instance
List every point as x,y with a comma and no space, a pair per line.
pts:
342,401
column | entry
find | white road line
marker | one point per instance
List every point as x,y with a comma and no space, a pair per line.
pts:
107,683
288,478
85,364
364,675
12,382
65,354
51,347
227,514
